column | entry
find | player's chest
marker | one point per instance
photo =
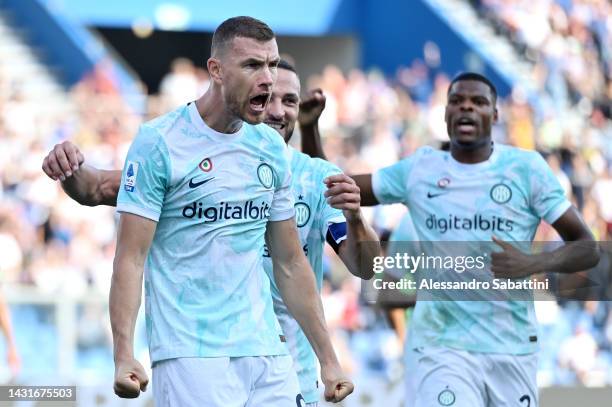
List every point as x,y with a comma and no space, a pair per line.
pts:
306,201
225,178
444,191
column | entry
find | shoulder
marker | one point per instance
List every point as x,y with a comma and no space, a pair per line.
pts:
429,156
266,134
514,157
164,124
316,165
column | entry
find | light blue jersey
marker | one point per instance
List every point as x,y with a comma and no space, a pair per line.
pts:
211,194
316,221
505,196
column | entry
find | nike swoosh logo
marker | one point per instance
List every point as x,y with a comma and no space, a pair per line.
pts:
197,184
430,195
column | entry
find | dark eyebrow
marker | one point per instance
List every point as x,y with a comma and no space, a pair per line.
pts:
292,96
252,61
481,98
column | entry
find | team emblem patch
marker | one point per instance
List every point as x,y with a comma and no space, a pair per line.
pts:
446,397
501,193
206,165
265,175
302,214
130,176
443,182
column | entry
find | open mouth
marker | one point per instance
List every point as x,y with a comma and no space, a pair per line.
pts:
279,126
258,103
465,125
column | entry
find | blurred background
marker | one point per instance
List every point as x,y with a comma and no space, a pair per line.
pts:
90,72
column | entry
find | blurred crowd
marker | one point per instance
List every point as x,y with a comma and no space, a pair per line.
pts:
370,121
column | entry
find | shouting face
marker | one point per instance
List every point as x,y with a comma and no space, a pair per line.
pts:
470,114
248,71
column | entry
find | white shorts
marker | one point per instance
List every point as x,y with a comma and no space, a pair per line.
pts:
450,377
226,382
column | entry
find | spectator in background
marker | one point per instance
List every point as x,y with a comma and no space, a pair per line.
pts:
181,85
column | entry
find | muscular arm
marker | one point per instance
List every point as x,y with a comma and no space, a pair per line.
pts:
91,186
133,241
364,182
580,252
85,184
295,280
360,247
310,110
311,141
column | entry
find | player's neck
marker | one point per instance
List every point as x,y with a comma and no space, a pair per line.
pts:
215,114
471,155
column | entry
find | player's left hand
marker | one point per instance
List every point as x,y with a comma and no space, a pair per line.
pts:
337,387
344,194
511,262
311,107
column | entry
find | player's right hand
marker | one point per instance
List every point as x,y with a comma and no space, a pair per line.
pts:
337,386
130,379
62,161
311,107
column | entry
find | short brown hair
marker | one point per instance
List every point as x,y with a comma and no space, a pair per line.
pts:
241,26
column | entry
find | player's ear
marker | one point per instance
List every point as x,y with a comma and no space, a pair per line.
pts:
214,70
495,116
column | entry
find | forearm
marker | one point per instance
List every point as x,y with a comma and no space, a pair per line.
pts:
572,257
124,302
364,182
297,286
360,247
90,186
311,141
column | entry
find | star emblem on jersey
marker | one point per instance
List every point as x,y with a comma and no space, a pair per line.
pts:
302,214
265,175
446,397
500,193
206,165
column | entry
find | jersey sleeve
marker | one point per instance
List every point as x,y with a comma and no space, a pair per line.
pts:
389,184
282,203
548,200
146,175
333,222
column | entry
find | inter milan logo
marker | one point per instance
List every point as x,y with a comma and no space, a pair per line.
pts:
265,175
206,165
501,193
302,214
446,397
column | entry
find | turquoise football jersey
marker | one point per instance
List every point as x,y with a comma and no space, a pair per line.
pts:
506,196
315,219
211,194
